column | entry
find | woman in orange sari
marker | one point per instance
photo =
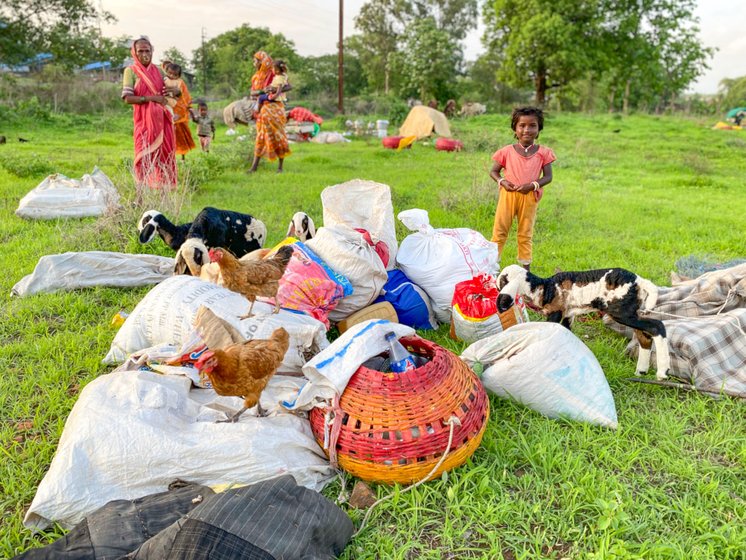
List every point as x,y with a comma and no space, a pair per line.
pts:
271,139
153,133
184,140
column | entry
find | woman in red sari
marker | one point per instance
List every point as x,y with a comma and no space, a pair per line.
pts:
271,139
142,86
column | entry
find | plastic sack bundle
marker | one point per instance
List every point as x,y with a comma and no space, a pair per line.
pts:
363,204
411,303
475,313
58,196
348,253
158,428
310,285
548,369
438,259
167,313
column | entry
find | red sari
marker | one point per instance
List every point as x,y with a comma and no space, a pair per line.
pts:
155,159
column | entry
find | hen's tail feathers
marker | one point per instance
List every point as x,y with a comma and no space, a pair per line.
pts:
284,254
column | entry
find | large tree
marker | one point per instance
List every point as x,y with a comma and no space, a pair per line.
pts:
455,17
545,43
429,60
226,60
67,29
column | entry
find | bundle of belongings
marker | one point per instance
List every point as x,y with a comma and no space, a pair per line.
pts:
705,320
302,124
192,521
58,196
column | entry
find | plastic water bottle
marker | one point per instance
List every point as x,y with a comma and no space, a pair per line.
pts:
401,360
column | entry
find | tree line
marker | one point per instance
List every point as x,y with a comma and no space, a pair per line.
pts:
576,54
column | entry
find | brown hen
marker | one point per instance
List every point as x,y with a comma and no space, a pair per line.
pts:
252,278
244,369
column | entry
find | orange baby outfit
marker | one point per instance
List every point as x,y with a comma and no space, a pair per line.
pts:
518,169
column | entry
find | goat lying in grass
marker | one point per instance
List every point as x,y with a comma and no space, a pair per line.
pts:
619,293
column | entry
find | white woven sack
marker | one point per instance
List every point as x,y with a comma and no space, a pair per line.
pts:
166,315
347,253
58,196
363,204
438,259
548,369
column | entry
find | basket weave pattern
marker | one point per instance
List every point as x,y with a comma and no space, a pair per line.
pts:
394,427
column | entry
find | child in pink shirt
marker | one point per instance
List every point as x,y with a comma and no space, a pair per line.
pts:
527,169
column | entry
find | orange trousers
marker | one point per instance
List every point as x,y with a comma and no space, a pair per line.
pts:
511,205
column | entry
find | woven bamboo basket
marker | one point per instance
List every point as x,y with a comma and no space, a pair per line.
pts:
395,427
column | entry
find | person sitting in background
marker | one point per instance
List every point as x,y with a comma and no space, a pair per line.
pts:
205,127
450,108
433,104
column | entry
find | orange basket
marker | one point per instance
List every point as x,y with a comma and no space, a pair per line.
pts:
394,427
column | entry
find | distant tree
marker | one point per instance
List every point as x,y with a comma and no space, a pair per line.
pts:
429,61
546,43
65,28
380,24
176,56
733,91
318,74
455,17
650,50
226,60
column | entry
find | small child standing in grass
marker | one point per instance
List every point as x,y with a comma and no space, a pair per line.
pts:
527,170
205,127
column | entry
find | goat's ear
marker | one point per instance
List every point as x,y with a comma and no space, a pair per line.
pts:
180,266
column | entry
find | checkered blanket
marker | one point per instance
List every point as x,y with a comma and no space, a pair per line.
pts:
705,321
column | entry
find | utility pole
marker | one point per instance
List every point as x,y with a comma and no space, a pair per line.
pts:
204,66
340,71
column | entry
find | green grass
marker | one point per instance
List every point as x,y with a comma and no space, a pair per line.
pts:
669,483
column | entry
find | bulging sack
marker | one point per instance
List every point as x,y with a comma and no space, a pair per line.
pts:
348,253
438,259
475,314
411,303
363,204
548,369
166,316
58,196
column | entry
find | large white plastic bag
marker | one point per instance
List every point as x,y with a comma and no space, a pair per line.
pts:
438,259
68,271
331,369
363,204
166,315
58,196
132,433
547,368
347,253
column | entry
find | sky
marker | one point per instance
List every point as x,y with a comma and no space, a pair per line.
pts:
313,26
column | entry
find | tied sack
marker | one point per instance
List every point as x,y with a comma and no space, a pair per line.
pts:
546,368
411,303
166,316
475,314
438,259
363,204
348,253
309,285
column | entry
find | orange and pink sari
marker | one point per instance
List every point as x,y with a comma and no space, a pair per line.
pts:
271,139
155,160
184,140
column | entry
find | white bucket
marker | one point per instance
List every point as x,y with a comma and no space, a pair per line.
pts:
382,127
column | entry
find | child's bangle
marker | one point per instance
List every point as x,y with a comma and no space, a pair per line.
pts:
536,185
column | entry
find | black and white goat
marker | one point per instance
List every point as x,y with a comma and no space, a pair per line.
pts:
211,228
301,227
619,293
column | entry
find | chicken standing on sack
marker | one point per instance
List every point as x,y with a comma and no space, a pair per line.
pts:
244,369
253,278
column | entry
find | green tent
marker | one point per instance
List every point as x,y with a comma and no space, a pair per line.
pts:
733,112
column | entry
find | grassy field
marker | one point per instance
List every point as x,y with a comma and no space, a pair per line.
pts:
637,192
